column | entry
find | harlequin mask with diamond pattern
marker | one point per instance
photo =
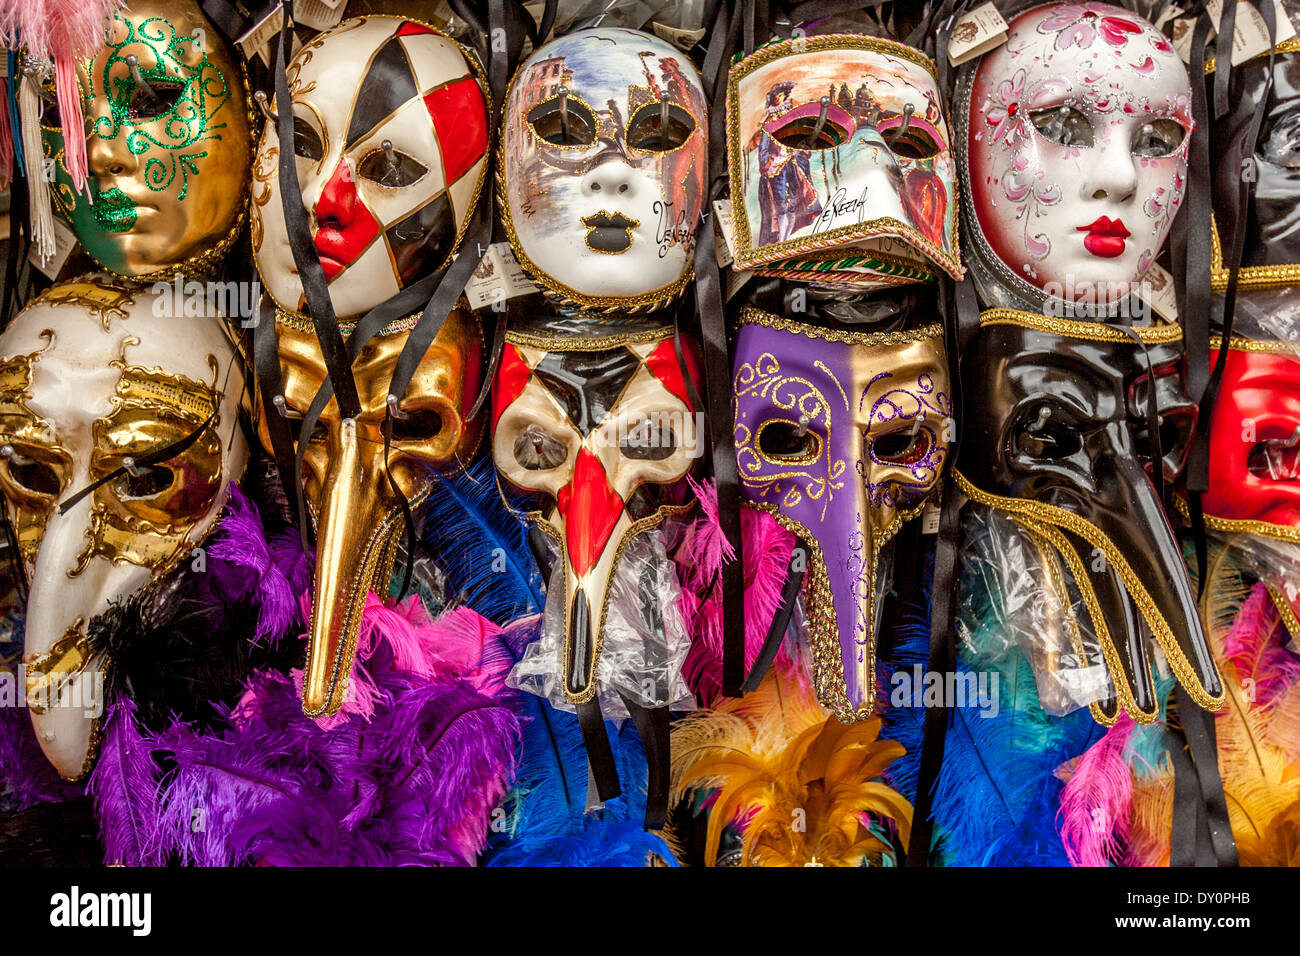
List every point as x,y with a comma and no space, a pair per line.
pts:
390,139
842,436
593,430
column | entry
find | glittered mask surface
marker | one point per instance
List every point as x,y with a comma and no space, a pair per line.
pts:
347,486
603,167
593,430
842,435
390,141
1074,140
90,376
1059,439
168,157
840,163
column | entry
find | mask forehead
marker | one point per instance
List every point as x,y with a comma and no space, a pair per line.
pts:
878,176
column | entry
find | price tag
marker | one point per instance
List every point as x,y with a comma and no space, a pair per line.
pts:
1157,290
64,242
724,233
682,39
976,33
497,278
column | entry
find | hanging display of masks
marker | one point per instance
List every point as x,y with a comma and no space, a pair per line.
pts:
1073,137
1060,417
602,169
167,143
841,165
842,435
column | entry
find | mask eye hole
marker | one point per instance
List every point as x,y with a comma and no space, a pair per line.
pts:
787,442
536,449
422,425
152,481
915,141
803,131
1160,137
1175,429
34,477
648,131
902,447
142,106
575,125
648,440
1046,435
1063,125
306,141
394,171
1275,460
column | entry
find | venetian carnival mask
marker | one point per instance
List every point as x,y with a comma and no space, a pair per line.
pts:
390,142
842,436
603,168
594,430
167,142
1074,139
348,486
1060,440
841,169
93,379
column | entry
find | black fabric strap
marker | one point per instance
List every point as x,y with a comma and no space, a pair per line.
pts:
1211,803
599,753
225,18
266,363
780,621
652,727
1183,832
301,246
18,213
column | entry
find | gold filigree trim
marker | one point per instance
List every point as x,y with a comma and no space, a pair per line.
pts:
1284,611
1265,529
1289,45
752,316
1088,329
1048,518
582,343
1248,277
1239,344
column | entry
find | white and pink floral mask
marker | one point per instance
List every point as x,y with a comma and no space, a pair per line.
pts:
1075,134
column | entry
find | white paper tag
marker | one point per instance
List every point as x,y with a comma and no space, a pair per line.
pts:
930,519
1157,290
319,14
682,39
257,41
724,233
976,33
65,240
1183,30
497,278
1249,35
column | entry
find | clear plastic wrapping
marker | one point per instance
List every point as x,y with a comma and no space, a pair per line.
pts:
1014,595
645,637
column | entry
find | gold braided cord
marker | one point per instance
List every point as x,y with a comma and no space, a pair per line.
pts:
1088,329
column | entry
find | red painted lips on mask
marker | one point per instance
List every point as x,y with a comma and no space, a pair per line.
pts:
344,226
1105,237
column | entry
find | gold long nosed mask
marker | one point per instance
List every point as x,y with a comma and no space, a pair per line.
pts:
356,512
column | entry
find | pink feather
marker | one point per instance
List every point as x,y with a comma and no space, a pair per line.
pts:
6,138
1254,648
1097,799
767,548
71,119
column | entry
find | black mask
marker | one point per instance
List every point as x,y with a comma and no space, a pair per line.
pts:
1059,439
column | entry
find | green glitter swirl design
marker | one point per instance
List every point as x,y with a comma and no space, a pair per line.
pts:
181,130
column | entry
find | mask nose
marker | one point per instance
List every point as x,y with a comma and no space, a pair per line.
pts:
611,179
1113,176
336,208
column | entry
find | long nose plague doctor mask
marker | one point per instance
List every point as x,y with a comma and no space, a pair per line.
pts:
841,169
598,431
602,169
87,396
842,436
390,139
1061,423
1073,139
167,142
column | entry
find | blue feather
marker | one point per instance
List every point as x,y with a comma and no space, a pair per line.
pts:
547,821
903,724
480,547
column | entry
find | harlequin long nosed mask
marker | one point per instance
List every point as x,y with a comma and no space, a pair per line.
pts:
1073,137
91,377
842,435
167,141
390,140
840,163
1059,439
603,168
593,430
357,514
